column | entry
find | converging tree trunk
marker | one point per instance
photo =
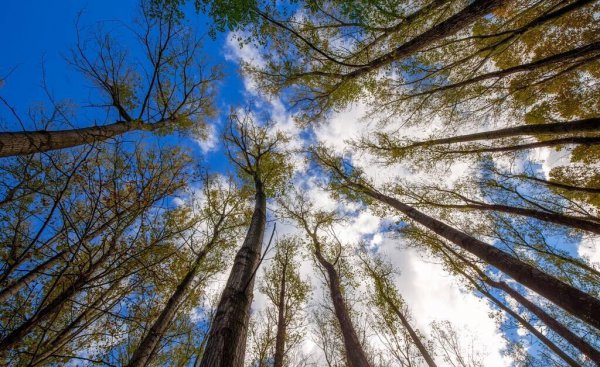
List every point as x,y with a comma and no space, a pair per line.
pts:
226,344
571,299
355,354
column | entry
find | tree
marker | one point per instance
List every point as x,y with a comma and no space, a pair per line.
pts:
389,302
327,253
287,292
257,153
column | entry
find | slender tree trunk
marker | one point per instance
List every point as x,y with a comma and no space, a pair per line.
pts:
355,354
571,299
29,142
569,127
52,307
565,220
32,275
576,140
591,50
226,344
449,27
413,334
144,352
556,326
590,190
541,337
281,322
88,316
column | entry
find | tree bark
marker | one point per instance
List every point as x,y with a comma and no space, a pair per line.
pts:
560,329
450,26
29,142
576,140
413,335
54,306
281,321
144,352
32,275
569,127
565,220
541,337
355,354
226,344
571,299
591,49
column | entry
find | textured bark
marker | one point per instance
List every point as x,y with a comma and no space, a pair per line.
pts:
32,275
583,55
591,190
450,26
569,127
413,334
144,352
541,337
52,307
552,323
547,319
226,344
281,321
565,220
355,354
571,299
29,142
577,140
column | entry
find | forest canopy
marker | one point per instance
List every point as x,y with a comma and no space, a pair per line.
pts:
257,183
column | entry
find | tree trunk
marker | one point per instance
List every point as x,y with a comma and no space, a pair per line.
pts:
143,353
541,337
355,354
571,299
32,275
54,306
226,344
29,142
281,322
450,26
565,220
591,50
560,329
576,140
590,190
569,127
413,335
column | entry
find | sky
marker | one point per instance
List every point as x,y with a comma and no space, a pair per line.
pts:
37,36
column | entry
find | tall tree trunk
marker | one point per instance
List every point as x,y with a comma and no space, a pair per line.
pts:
556,326
144,352
588,53
568,127
226,344
52,307
32,275
355,354
413,334
571,299
590,190
541,337
565,220
281,321
449,27
576,140
29,142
